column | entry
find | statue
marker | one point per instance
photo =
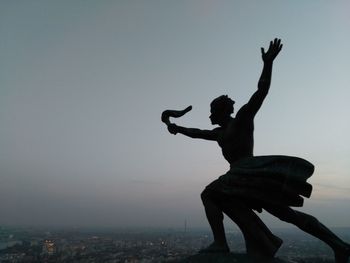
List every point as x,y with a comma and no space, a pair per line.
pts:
272,183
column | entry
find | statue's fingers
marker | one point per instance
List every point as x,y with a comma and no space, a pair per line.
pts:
262,51
280,48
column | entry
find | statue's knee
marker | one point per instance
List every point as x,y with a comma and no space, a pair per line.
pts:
309,221
210,196
205,195
302,220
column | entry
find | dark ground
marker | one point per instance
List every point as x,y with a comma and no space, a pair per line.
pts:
243,258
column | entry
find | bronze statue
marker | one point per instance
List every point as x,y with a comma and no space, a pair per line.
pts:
273,183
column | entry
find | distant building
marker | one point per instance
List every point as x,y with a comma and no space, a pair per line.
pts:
49,247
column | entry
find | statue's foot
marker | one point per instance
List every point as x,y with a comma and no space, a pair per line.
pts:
215,248
277,243
265,250
342,254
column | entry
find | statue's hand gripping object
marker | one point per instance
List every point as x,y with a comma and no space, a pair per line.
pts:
173,113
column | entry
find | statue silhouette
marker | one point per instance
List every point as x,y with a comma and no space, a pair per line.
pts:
273,183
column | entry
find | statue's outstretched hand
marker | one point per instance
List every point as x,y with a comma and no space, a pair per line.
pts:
274,48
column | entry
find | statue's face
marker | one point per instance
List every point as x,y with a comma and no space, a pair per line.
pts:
216,115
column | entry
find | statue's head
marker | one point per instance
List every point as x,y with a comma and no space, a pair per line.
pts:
221,109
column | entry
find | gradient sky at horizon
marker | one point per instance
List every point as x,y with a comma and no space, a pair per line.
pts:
83,84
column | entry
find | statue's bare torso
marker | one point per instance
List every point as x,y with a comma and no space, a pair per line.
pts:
236,139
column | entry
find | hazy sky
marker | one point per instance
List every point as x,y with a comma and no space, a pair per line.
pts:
83,84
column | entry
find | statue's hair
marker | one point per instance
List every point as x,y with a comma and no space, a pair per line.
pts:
224,103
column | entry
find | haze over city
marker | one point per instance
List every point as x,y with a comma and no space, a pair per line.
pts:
83,84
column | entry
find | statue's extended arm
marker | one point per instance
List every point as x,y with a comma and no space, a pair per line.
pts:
190,132
211,135
258,97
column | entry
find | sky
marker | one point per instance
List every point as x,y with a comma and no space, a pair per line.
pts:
83,85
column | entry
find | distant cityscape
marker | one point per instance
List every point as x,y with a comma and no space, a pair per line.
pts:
77,245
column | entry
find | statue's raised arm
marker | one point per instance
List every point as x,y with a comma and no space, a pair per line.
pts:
255,102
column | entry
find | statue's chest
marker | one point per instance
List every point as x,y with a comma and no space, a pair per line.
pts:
229,134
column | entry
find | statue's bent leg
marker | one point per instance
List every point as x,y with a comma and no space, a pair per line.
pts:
259,239
311,225
215,218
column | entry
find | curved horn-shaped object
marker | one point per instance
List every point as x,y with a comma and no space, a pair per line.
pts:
174,113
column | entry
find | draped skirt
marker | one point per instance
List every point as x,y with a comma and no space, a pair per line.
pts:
266,180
